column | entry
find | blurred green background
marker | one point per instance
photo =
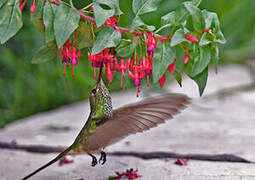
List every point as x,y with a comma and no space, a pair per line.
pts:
27,88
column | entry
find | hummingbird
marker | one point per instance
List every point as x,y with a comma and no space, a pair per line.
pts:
106,126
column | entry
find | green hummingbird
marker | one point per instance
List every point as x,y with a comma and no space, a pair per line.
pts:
106,126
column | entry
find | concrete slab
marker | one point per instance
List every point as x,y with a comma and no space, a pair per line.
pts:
208,126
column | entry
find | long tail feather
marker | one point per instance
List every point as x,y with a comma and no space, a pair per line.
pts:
49,163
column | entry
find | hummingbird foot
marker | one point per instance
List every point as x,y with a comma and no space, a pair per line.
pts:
94,160
102,159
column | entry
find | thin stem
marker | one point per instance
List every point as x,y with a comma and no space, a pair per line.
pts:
162,27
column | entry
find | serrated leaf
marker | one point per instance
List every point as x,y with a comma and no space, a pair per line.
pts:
178,37
178,78
219,38
106,38
201,80
141,7
197,17
203,61
102,14
137,21
11,20
84,36
204,40
45,53
163,56
65,22
48,20
125,48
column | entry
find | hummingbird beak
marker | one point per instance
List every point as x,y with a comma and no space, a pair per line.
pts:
100,73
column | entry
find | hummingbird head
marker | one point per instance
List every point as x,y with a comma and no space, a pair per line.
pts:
100,100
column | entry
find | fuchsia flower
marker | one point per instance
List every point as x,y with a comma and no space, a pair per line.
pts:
70,55
130,174
151,43
192,39
147,67
122,68
186,58
137,76
162,81
171,68
33,7
112,22
22,4
109,73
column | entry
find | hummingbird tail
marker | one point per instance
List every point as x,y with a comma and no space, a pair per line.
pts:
49,163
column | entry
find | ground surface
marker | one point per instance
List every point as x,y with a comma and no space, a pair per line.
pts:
207,126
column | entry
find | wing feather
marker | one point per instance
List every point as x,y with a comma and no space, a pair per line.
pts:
136,118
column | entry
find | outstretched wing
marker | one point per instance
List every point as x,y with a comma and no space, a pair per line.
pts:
135,118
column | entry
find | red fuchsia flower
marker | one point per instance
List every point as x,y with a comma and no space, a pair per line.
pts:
109,73
33,7
122,68
192,39
22,5
181,162
186,58
130,174
137,76
74,57
66,54
162,81
206,30
171,68
147,67
113,23
65,160
151,43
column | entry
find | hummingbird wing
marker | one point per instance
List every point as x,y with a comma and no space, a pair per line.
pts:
136,118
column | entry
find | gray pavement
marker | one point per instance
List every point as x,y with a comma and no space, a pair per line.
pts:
207,126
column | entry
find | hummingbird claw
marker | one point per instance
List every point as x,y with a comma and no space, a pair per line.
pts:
102,159
94,160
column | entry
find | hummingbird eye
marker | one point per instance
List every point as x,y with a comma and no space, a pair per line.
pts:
94,91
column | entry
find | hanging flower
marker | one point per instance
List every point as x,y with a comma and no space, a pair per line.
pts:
162,81
151,43
122,68
192,39
186,58
33,7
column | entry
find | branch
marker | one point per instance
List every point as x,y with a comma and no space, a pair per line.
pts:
90,19
142,155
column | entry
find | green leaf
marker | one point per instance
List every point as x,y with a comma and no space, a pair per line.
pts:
137,21
211,20
215,58
144,6
204,40
84,36
178,37
141,7
126,48
11,20
2,2
202,62
163,56
182,13
168,19
104,9
219,38
45,53
197,17
201,80
48,20
106,38
178,78
65,22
